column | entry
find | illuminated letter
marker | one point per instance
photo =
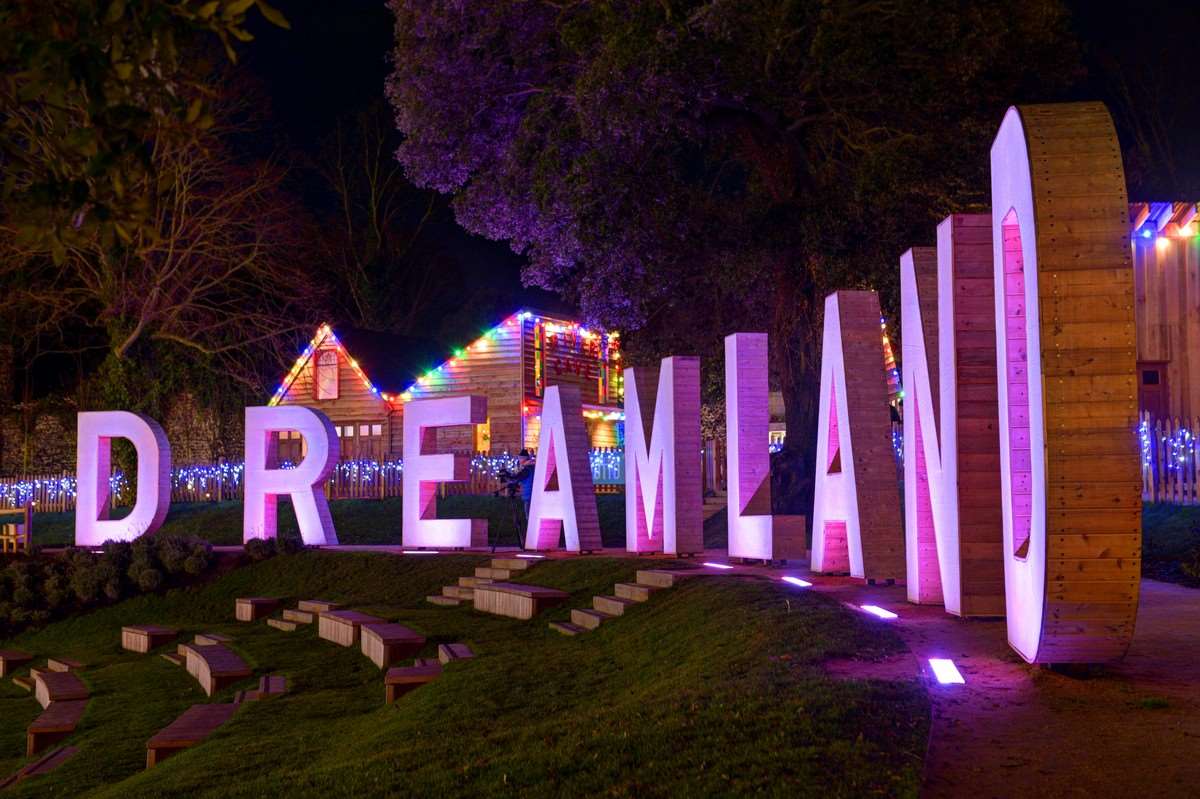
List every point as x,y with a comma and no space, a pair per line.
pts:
856,507
951,433
304,483
93,466
1065,357
753,532
663,501
423,470
564,500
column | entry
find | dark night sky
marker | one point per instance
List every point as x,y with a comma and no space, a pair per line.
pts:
334,62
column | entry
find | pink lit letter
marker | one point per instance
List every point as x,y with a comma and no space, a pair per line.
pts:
856,507
663,500
753,532
564,500
304,484
1065,357
423,470
93,466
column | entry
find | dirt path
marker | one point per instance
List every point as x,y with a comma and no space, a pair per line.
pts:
1130,730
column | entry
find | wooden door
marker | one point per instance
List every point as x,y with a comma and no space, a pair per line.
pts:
1153,393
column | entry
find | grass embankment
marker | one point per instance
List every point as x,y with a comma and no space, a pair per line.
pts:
358,521
711,688
1171,540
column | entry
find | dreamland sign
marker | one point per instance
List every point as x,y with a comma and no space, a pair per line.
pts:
1021,475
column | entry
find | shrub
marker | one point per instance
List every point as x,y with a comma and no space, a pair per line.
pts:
172,552
260,549
149,579
1191,564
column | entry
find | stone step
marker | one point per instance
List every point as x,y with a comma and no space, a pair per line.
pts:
473,582
458,592
634,591
444,601
280,624
566,628
492,573
298,616
662,578
172,658
588,619
612,605
449,652
512,564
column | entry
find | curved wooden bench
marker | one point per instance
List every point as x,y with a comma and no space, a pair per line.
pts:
57,686
515,600
400,680
215,666
253,608
43,765
341,626
144,637
197,723
56,722
385,644
11,659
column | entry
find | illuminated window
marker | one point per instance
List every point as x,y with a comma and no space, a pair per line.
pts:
376,429
776,436
327,375
364,429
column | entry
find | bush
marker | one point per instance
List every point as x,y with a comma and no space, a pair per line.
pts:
1191,564
260,549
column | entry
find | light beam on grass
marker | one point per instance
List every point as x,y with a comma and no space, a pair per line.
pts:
946,672
879,612
797,581
718,565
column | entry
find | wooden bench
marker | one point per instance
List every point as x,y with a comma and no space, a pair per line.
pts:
253,608
341,626
317,606
63,664
280,624
268,685
43,765
449,652
385,644
23,682
11,659
298,616
399,680
215,666
144,637
57,686
515,600
56,722
208,639
197,723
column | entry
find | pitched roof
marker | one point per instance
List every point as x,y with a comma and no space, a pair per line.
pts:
391,361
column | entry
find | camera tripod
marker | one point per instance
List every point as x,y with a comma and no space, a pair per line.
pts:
516,509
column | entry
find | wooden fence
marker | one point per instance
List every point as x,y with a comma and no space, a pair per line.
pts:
1170,460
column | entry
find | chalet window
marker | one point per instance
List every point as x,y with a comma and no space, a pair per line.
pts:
376,429
364,429
327,375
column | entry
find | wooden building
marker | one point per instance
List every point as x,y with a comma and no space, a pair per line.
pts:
1166,262
362,381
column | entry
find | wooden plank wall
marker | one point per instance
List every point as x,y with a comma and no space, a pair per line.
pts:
1085,290
980,537
1167,286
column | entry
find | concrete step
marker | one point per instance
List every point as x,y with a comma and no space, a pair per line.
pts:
512,564
493,574
662,578
566,628
612,605
172,658
449,652
634,591
458,592
588,619
444,601
280,624
473,582
298,616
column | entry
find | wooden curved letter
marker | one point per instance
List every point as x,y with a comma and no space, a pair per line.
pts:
1067,385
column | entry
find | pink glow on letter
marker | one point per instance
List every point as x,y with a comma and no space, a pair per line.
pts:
564,499
304,484
424,469
93,465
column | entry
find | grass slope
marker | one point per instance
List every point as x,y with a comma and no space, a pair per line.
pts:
713,687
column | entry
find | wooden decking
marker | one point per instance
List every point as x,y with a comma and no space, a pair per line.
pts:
386,644
253,608
399,680
515,600
341,626
57,686
215,666
11,659
144,637
56,722
197,723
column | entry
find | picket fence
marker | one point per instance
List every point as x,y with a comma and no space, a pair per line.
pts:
1170,460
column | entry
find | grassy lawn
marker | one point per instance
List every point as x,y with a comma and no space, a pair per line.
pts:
711,688
1171,536
358,521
